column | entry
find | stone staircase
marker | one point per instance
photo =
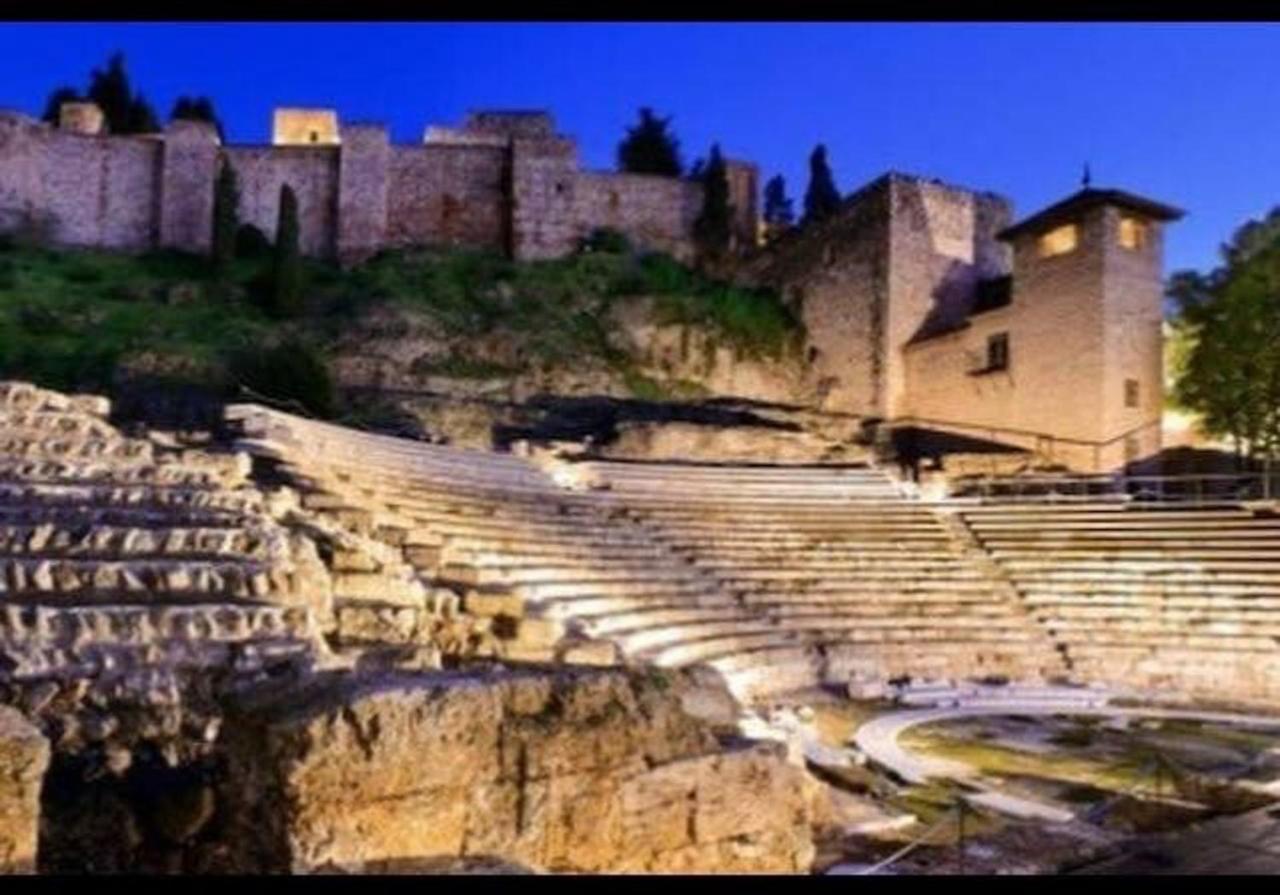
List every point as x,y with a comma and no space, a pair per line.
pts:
1177,599
118,554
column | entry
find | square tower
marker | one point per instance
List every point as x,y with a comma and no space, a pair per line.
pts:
1084,338
305,127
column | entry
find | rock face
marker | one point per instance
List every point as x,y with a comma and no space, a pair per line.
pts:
579,770
24,757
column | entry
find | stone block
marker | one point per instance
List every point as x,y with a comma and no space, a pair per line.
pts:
551,770
24,758
492,603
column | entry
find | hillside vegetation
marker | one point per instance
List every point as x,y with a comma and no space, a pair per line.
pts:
87,320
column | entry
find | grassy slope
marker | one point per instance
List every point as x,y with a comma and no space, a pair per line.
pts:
72,319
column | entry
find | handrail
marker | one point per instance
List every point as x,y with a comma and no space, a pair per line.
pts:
1184,488
1027,433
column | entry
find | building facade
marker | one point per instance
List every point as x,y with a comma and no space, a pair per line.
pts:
504,181
926,309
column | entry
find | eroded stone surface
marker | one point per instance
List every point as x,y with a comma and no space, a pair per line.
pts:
580,770
24,757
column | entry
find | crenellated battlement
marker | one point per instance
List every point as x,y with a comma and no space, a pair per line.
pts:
505,181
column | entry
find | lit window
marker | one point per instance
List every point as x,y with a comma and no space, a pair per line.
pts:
1131,393
998,351
1059,241
1134,234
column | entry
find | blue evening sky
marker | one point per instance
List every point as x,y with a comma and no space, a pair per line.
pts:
1188,114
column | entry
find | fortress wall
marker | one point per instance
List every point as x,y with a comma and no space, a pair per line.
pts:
445,194
362,192
96,191
22,142
942,242
656,212
313,175
188,170
836,277
544,174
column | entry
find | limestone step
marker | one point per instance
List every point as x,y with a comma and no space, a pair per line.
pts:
1257,553
828,577
40,496
67,514
533,555
541,591
583,572
592,606
88,541
1261,601
1023,565
869,596
60,580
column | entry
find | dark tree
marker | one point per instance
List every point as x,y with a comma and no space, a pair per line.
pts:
142,118
226,217
649,148
287,270
713,227
53,106
822,197
778,213
197,108
1230,318
125,112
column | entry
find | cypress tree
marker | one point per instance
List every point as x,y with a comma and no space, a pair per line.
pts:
822,198
649,148
287,270
778,214
226,218
713,227
124,111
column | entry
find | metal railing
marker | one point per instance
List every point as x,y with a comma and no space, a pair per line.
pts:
1203,488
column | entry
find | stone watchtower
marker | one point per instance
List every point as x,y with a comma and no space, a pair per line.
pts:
1084,344
81,118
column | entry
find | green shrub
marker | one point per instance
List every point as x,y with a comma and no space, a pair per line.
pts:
603,239
252,243
291,374
83,272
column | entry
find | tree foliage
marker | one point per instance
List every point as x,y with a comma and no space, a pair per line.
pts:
197,108
778,212
713,227
287,268
650,148
226,217
125,111
1231,374
822,198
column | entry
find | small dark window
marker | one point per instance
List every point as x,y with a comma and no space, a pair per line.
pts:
560,188
1131,393
315,136
998,351
613,201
